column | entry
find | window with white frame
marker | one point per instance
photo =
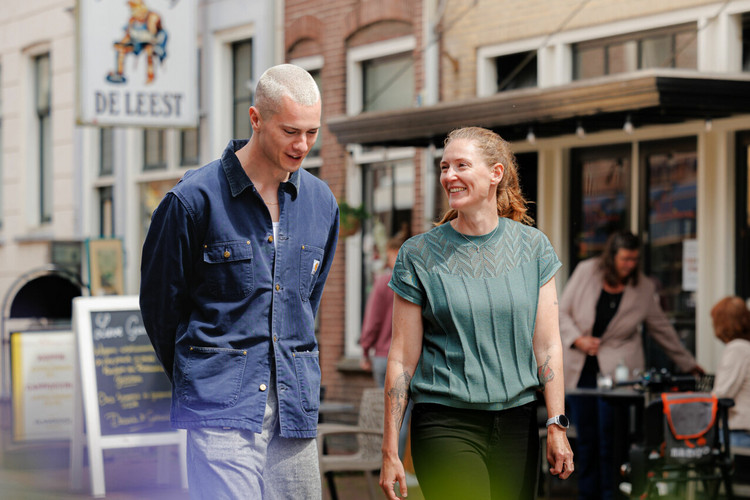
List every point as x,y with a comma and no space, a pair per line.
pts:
516,71
154,149
315,150
106,212
190,137
669,47
380,76
106,151
388,196
508,66
105,181
388,82
242,87
43,109
314,66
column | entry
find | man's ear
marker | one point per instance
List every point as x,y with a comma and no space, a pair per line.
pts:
255,118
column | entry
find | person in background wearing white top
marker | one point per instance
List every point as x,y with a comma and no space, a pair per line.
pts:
731,320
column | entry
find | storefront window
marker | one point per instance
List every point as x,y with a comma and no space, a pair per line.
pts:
671,174
600,195
742,217
388,194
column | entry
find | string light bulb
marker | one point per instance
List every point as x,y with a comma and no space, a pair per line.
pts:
531,137
628,126
580,131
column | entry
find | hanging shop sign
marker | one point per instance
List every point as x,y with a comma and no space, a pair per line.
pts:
137,63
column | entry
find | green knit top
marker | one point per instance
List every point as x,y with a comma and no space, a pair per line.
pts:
479,297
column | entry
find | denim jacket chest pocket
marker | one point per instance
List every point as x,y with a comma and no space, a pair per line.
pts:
228,269
310,260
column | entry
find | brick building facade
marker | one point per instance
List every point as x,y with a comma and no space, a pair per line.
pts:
653,90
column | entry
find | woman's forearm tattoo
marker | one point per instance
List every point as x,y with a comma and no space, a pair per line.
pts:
399,395
545,373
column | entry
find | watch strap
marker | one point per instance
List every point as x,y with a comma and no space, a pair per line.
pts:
557,420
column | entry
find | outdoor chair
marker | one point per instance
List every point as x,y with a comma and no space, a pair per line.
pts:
369,437
681,446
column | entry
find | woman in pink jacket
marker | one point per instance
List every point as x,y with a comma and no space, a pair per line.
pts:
605,302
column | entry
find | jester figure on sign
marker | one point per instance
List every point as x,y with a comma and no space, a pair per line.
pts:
143,33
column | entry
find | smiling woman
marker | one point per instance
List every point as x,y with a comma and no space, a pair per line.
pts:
476,309
467,148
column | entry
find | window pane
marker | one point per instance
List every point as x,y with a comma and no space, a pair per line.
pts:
742,217
106,151
617,59
746,42
671,169
189,146
388,194
43,84
150,196
242,87
686,46
388,83
45,163
106,213
588,62
516,71
315,151
656,52
154,155
600,198
44,124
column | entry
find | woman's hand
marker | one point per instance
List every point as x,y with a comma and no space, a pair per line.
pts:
559,454
391,472
587,344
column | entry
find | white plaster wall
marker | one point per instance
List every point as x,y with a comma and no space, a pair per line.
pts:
28,29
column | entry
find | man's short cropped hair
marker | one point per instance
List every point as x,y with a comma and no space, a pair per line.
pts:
285,80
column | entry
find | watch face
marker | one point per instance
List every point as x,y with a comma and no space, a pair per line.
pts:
563,421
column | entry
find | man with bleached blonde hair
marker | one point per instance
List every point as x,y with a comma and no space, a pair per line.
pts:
232,273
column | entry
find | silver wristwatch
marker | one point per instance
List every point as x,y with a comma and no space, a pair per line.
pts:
560,420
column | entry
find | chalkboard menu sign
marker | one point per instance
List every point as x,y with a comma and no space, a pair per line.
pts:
122,396
133,392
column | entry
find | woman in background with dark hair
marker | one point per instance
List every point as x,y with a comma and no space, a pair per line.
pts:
731,320
604,303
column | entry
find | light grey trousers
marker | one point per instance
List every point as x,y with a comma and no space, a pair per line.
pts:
233,464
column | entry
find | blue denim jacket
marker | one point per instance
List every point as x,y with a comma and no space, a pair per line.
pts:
221,304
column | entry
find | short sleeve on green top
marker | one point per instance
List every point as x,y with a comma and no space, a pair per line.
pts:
479,297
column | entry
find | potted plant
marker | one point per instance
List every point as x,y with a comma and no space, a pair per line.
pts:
351,218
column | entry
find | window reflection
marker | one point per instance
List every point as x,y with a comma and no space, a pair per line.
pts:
600,197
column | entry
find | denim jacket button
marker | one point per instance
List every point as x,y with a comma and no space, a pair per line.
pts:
270,239
278,287
263,387
226,254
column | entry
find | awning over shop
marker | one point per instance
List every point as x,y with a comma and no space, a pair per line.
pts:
647,97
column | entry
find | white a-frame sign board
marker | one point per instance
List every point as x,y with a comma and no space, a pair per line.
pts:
121,394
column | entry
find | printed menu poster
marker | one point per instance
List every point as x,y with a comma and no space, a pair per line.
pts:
43,376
